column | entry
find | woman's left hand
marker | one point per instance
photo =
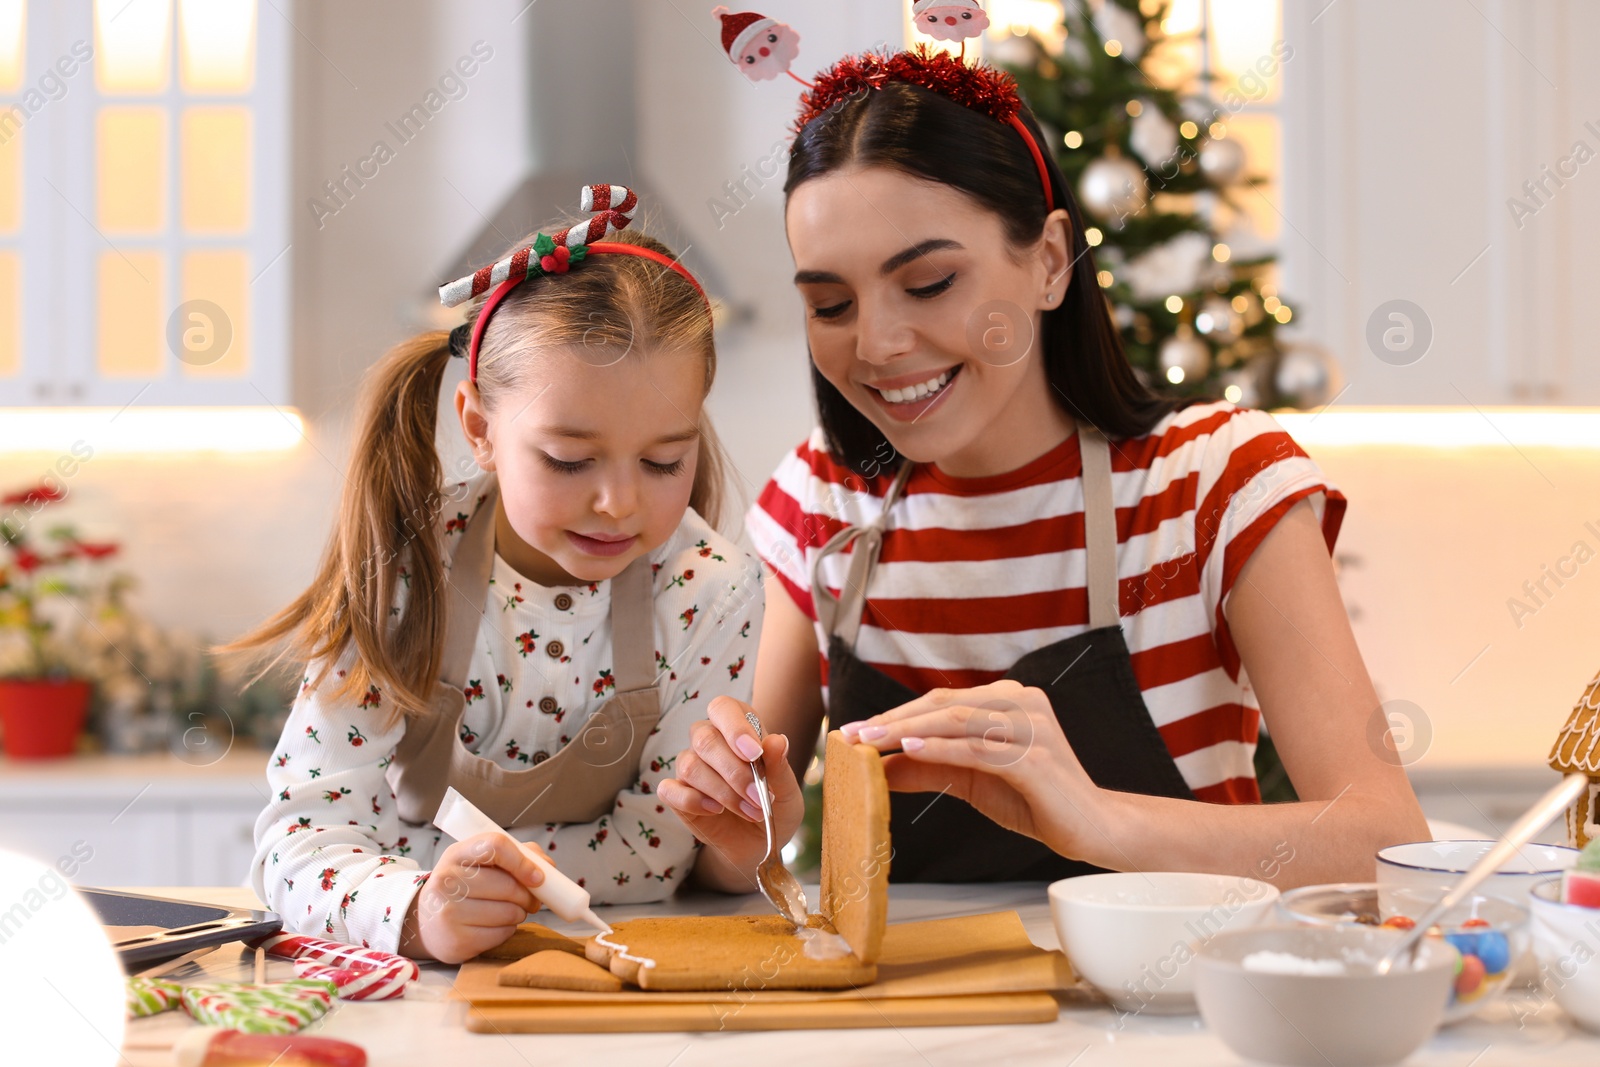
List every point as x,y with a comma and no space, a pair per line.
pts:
999,748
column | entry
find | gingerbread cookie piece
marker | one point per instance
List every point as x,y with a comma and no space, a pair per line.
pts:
855,845
531,938
555,969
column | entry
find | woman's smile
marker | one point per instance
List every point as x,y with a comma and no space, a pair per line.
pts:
908,398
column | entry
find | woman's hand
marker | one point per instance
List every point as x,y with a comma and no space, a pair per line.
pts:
1000,748
715,792
475,897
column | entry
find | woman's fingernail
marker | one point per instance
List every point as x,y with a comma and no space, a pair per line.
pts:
753,791
849,729
749,809
874,733
710,807
748,747
911,744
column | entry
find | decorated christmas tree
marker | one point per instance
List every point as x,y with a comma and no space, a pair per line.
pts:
1142,138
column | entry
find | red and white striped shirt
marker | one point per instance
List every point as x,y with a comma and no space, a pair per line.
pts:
977,572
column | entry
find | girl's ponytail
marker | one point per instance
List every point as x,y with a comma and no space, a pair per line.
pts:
387,522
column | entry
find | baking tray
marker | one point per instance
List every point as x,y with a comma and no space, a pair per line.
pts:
183,924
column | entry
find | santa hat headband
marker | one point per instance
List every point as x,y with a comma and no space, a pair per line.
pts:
556,253
921,6
980,88
740,29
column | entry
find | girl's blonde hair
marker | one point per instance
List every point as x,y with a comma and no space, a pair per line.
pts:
390,509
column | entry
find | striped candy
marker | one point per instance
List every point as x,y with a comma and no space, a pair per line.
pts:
278,1008
358,980
611,206
332,953
151,996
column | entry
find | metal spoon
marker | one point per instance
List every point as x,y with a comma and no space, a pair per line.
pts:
777,883
1548,807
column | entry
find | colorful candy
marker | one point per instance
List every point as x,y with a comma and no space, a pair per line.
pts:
276,1008
357,979
210,1047
1581,885
1471,977
151,996
332,953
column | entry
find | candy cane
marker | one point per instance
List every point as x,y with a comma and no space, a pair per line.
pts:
609,203
357,980
332,953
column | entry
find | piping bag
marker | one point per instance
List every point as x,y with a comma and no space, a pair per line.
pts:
461,819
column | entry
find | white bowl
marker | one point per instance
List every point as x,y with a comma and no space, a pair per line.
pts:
1355,1019
1132,935
1566,939
1434,866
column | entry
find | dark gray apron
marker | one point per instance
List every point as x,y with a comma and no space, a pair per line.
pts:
1088,678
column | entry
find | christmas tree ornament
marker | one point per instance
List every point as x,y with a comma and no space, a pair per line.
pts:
1173,266
1153,136
1184,357
1218,321
1113,187
1242,386
1113,22
760,47
1305,375
1222,160
950,20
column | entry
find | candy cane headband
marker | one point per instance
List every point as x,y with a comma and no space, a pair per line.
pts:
553,254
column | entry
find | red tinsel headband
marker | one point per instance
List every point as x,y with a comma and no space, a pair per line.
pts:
555,254
981,88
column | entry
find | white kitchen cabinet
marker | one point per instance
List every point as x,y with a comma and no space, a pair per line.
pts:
149,820
1412,132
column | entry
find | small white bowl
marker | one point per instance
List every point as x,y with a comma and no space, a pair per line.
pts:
1435,866
1566,940
1132,935
1355,1019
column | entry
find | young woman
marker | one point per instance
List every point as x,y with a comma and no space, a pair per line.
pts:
1062,604
540,636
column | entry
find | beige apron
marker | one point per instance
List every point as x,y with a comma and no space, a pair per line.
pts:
580,782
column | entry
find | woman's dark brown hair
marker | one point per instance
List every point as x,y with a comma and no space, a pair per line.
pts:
389,513
927,136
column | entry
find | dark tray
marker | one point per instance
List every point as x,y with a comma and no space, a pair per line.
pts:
186,924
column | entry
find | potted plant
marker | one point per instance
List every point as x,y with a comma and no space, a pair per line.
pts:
48,587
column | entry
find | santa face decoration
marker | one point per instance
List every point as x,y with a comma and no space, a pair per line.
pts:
760,47
950,20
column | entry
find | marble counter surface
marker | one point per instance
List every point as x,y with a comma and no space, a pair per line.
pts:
426,1029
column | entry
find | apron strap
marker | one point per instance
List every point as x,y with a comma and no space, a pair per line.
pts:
467,590
1099,527
633,619
841,615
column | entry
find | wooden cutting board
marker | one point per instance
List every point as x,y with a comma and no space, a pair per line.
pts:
984,1009
945,972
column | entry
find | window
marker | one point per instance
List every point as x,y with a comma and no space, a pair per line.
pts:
144,233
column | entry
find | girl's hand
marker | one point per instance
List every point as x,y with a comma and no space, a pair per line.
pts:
715,792
473,900
1000,748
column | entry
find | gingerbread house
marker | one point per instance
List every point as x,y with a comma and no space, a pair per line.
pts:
1577,750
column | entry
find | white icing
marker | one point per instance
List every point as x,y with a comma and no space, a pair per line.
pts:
821,945
621,950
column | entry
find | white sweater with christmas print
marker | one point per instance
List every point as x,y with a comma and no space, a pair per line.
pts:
333,856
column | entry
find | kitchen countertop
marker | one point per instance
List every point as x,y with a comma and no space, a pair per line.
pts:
424,1028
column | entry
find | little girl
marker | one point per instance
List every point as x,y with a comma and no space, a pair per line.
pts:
540,636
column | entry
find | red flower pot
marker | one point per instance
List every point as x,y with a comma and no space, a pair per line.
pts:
42,717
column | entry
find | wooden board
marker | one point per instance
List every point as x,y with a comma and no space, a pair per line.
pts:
952,968
990,1009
